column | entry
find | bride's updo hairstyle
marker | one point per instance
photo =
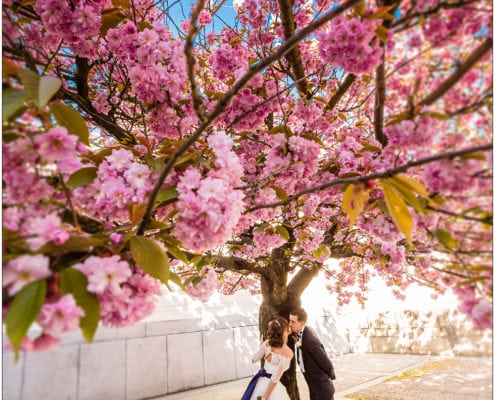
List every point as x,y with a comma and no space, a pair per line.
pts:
276,330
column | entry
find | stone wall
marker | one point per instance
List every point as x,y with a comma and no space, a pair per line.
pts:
143,361
434,332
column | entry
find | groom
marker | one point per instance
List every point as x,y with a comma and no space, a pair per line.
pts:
311,357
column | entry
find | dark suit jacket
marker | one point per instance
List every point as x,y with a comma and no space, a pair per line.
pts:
318,368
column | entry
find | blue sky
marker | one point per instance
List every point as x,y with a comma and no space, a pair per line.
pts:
181,9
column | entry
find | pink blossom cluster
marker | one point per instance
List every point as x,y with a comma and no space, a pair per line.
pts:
24,269
42,230
309,240
204,17
121,181
450,177
125,297
264,241
310,205
58,148
156,63
21,181
245,113
252,12
167,122
227,58
396,256
347,283
264,196
76,23
381,228
60,316
210,207
411,135
290,160
458,22
479,309
309,116
203,289
349,44
231,283
305,155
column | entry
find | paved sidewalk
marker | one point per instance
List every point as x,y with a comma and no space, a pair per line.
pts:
384,377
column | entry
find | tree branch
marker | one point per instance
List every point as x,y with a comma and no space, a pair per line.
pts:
377,175
380,103
193,31
237,264
348,81
380,96
294,55
447,84
99,119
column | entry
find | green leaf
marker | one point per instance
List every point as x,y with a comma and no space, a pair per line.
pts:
281,193
110,18
398,210
75,282
48,86
438,115
321,250
167,195
81,177
12,102
368,147
175,279
412,184
72,120
75,243
150,257
446,239
177,253
396,118
473,156
409,196
123,4
187,159
31,81
40,89
155,163
354,200
281,129
23,312
282,231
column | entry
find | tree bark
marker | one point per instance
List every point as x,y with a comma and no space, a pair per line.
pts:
279,298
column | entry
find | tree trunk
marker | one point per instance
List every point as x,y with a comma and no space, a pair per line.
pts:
278,301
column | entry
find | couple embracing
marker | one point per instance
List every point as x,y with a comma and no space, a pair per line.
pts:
278,351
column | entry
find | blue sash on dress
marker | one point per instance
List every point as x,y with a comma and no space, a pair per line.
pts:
252,383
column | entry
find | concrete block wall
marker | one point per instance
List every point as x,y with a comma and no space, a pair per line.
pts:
145,360
442,331
140,362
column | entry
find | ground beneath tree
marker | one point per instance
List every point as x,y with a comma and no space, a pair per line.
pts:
456,378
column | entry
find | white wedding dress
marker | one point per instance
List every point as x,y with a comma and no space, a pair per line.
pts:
277,366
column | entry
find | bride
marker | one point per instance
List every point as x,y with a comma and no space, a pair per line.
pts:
265,384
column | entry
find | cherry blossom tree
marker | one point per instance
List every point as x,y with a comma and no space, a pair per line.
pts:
143,148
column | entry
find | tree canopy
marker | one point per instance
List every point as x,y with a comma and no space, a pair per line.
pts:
142,147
